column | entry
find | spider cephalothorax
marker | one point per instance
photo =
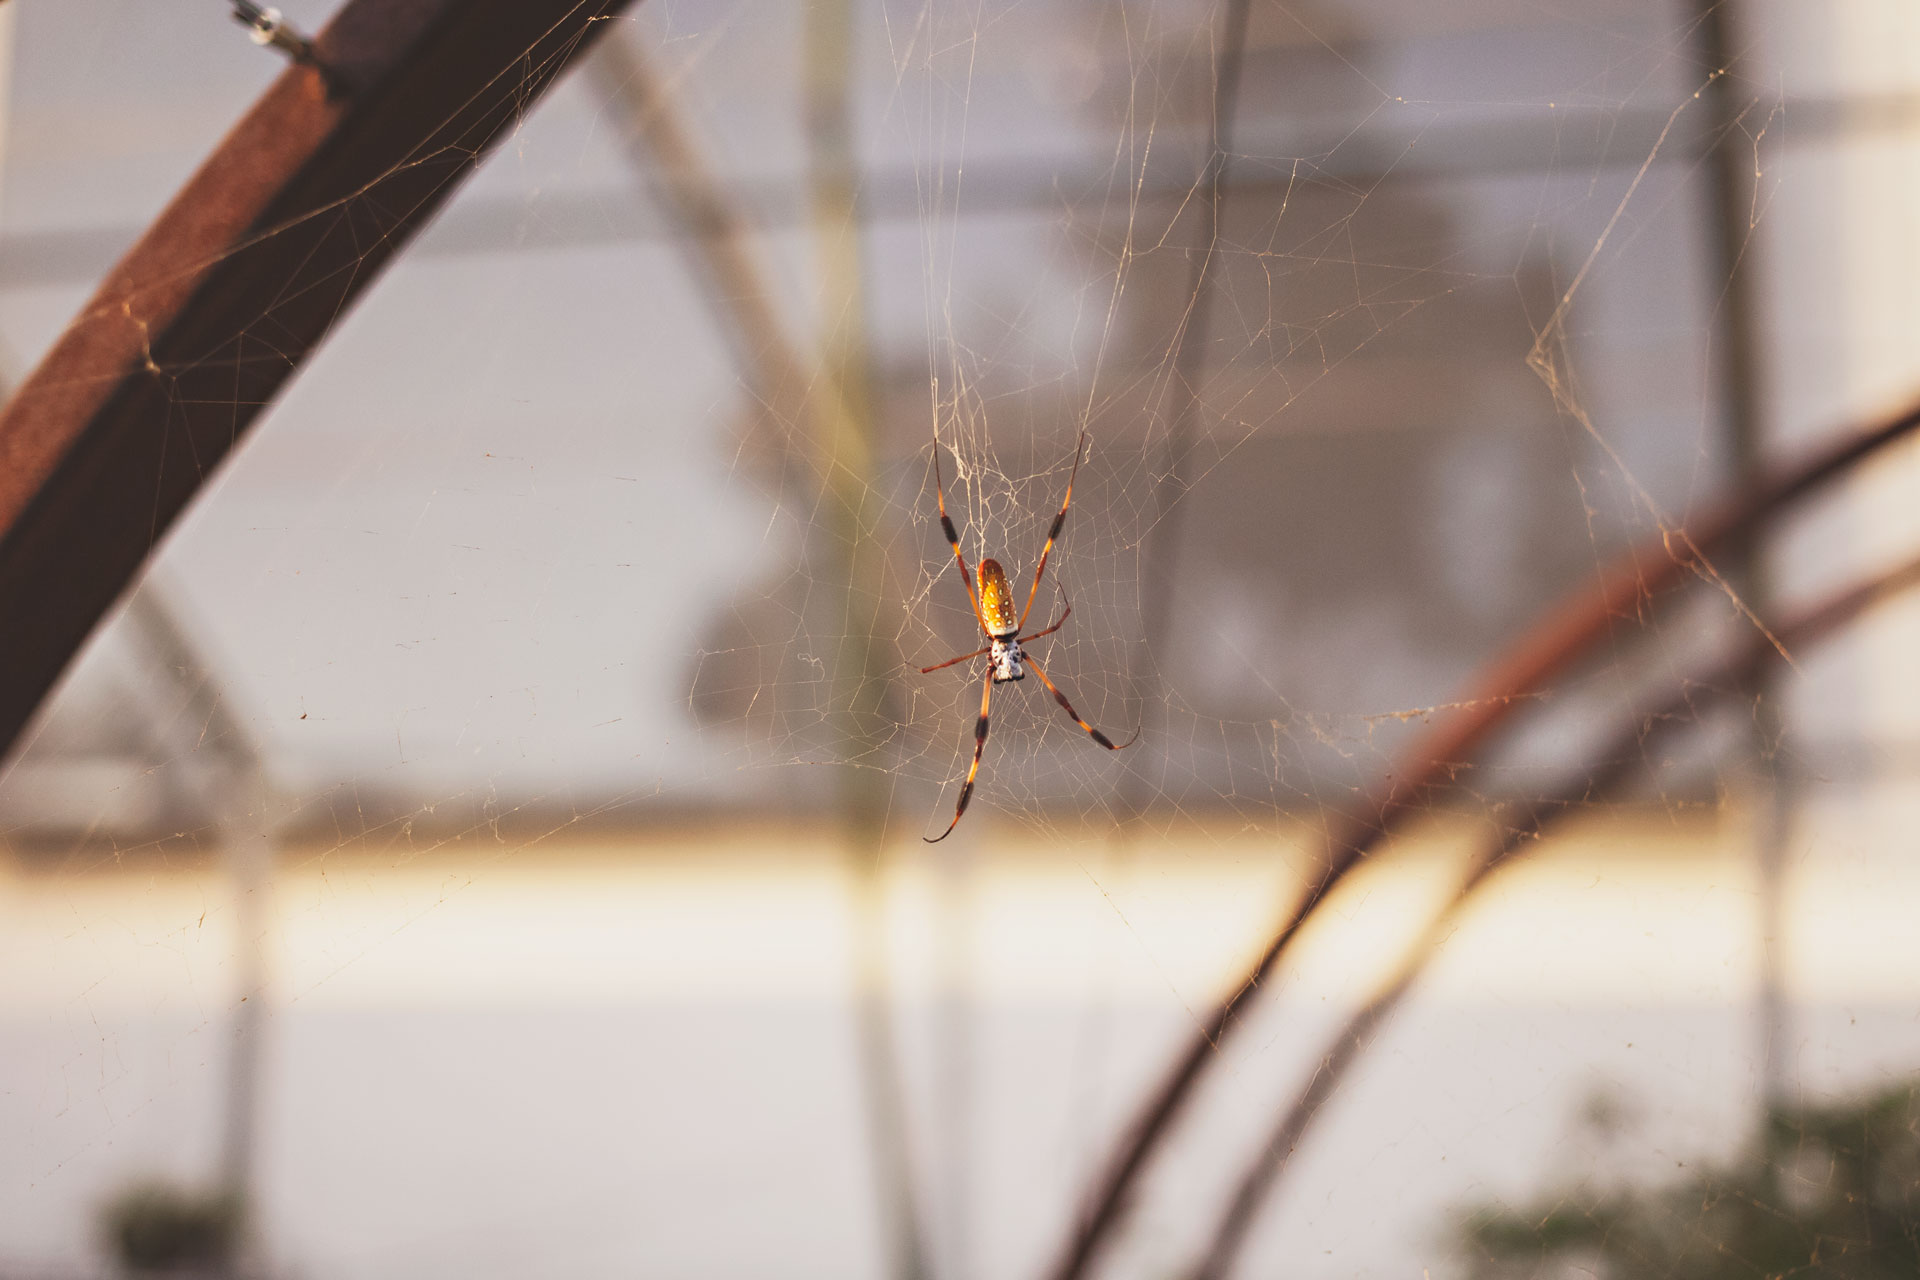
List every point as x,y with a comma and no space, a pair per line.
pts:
993,610
1008,661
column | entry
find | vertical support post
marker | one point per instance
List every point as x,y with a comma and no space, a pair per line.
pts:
865,699
1732,180
1160,552
227,775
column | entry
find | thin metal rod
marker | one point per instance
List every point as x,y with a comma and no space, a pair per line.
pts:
1160,552
714,238
1732,174
194,729
820,410
1348,161
1450,741
846,434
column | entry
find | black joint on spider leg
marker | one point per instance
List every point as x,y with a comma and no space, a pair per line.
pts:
1059,522
980,729
966,794
946,527
1103,739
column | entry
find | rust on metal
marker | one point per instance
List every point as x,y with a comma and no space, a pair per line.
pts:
239,280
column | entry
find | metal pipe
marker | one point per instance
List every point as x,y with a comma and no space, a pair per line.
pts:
235,285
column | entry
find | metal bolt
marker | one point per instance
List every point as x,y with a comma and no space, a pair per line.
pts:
268,27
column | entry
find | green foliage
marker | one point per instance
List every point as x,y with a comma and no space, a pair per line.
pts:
160,1227
1830,1193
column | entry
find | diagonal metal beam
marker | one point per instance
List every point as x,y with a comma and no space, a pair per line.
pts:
236,284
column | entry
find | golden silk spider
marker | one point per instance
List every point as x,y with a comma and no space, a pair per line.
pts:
993,610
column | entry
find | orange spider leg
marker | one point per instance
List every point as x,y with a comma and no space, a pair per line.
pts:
979,745
1061,698
1049,631
941,666
1079,448
953,539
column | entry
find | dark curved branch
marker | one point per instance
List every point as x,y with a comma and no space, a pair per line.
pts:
1453,736
1617,763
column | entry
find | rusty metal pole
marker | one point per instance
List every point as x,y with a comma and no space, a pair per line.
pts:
235,285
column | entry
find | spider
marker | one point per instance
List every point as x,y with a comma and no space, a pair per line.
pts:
993,610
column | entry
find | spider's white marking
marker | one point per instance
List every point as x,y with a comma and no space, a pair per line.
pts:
1006,658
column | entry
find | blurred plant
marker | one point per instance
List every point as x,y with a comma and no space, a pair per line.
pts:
1832,1193
162,1226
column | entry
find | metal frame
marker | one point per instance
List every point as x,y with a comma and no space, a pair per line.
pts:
235,285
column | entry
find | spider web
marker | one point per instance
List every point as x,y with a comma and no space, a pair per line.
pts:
543,670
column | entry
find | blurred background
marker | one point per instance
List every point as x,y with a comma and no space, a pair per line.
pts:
488,841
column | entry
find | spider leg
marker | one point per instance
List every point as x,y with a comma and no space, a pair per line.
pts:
939,666
979,745
1061,698
1050,630
953,539
1078,449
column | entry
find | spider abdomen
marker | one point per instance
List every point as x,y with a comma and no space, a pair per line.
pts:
996,601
